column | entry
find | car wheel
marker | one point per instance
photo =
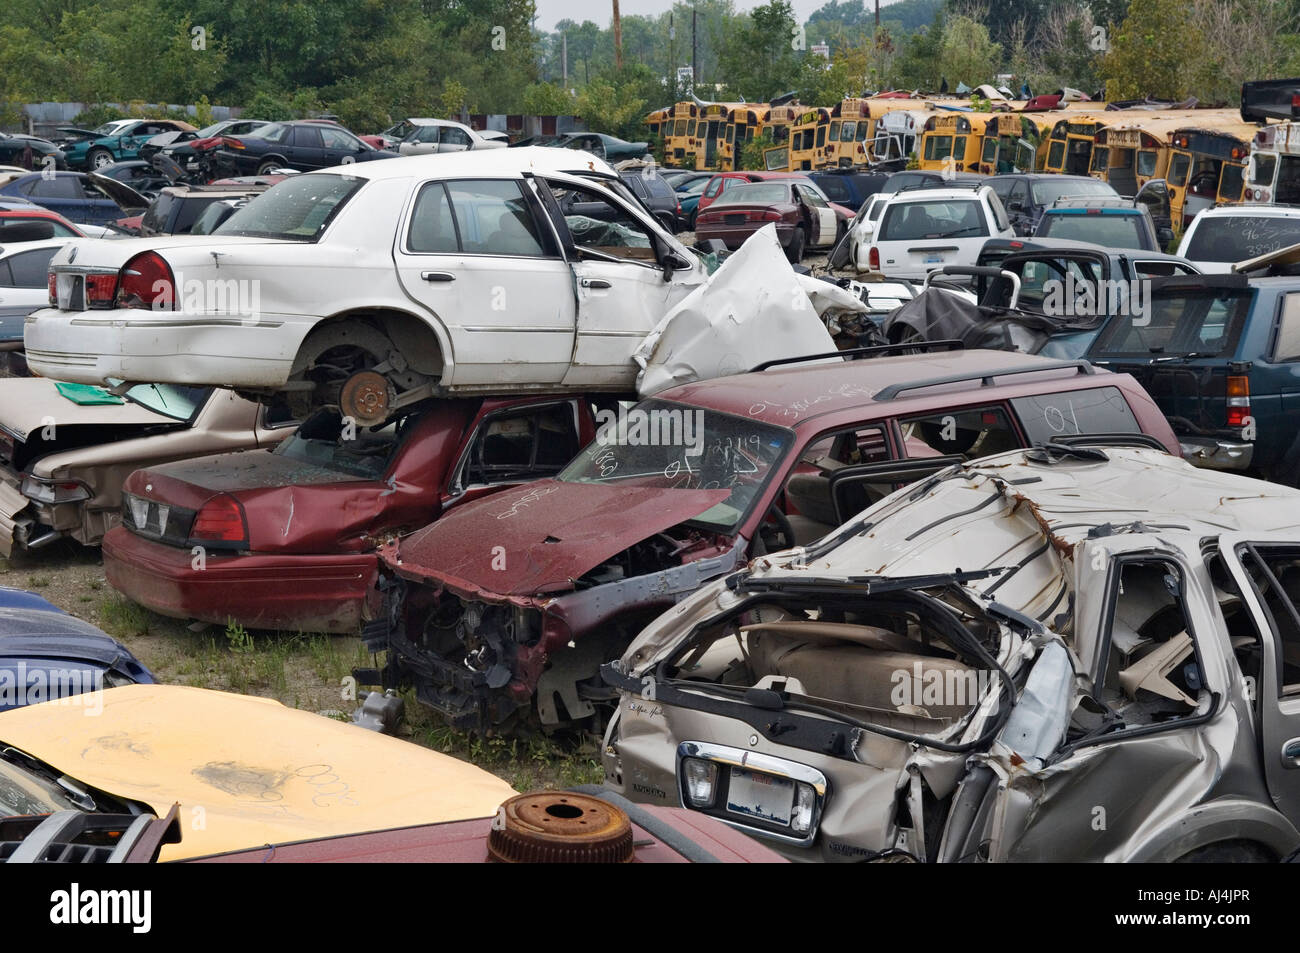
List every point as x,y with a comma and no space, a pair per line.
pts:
1228,852
269,164
794,251
99,158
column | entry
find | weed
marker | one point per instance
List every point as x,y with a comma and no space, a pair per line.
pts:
124,618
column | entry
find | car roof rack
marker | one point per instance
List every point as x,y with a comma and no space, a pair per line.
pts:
984,377
875,350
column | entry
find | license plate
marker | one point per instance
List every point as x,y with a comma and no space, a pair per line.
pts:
764,796
734,219
70,292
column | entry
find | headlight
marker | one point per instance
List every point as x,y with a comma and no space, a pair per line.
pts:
701,782
54,491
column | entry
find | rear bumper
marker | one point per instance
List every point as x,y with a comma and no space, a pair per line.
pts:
733,237
1214,453
309,593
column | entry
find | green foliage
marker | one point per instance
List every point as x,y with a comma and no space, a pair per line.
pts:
751,153
546,99
1153,52
238,638
758,57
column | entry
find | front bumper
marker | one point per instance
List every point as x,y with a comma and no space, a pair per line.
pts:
308,593
89,347
1215,453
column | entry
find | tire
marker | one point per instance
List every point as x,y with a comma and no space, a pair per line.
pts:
794,251
1229,852
98,159
268,164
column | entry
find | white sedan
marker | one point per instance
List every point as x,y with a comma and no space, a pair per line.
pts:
443,136
371,286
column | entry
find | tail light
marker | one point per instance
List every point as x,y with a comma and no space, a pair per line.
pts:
221,520
101,291
146,282
230,143
873,259
53,285
1238,393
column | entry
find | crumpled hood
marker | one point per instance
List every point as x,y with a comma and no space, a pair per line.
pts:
261,773
30,403
545,534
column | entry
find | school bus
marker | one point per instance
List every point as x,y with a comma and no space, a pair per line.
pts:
710,135
851,128
1273,172
1207,163
1069,144
808,139
655,121
1012,142
679,134
780,126
1135,149
743,125
952,140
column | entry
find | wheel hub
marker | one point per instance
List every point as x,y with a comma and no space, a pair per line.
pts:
366,397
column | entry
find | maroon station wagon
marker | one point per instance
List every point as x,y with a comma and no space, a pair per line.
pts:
802,216
286,539
526,593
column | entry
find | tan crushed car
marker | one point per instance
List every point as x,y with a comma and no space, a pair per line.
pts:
65,450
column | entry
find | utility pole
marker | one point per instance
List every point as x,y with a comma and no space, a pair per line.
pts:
695,70
618,38
564,58
672,60
877,16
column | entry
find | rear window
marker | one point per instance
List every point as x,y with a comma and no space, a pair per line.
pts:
297,209
1048,417
155,218
353,451
1238,237
1111,231
1047,191
757,194
1191,323
835,189
949,218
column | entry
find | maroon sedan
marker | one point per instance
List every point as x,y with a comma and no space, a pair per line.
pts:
286,539
802,215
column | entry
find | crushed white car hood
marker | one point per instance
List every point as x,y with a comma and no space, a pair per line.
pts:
754,308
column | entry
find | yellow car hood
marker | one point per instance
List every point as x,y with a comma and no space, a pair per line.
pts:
248,771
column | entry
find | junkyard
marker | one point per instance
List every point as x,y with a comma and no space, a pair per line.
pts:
531,431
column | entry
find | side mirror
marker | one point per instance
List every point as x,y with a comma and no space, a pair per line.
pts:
673,262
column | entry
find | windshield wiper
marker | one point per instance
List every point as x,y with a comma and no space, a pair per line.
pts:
865,584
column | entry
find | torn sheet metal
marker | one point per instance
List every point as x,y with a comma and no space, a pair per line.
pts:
754,308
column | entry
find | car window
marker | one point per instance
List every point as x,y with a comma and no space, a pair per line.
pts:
338,139
1162,269
492,218
306,137
1287,346
171,400
521,445
155,217
1048,417
602,229
811,196
298,209
425,134
938,147
325,441
758,193
451,136
808,490
272,132
59,187
1047,191
1035,273
970,432
28,269
1205,322
714,186
944,218
1232,238
1274,573
835,189
1110,231
1002,187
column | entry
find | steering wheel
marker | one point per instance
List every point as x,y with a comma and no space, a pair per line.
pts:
783,528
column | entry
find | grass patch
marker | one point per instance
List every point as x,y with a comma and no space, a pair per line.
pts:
124,618
38,582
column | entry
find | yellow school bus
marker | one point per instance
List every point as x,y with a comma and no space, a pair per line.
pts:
710,135
1273,172
1134,149
679,133
1012,142
655,119
780,127
852,128
1207,163
744,124
1069,144
952,140
808,139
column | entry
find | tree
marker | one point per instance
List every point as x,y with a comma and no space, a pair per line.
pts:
967,54
1153,52
761,58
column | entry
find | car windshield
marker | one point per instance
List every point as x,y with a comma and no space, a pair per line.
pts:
1183,323
109,128
23,793
939,218
695,188
170,400
297,209
756,194
676,447
1239,237
324,441
211,130
1110,231
1047,191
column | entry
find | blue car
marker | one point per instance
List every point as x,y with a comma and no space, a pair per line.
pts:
71,194
120,139
47,654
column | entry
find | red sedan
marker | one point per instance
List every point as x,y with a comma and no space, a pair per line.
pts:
803,217
286,539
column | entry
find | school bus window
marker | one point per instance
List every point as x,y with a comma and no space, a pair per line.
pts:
938,147
1264,166
780,133
731,134
1230,183
864,130
990,150
849,132
1100,158
1146,162
1056,154
821,136
835,131
679,127
1178,170
1124,159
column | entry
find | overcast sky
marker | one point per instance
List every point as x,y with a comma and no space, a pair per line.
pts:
550,12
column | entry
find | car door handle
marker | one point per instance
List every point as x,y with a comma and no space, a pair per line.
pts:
1291,753
437,276
595,283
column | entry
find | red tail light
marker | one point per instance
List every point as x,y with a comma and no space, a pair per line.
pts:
53,285
1238,394
101,290
230,143
221,520
873,259
146,282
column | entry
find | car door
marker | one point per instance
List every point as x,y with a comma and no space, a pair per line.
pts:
453,139
425,140
479,255
304,148
824,225
65,194
1266,569
339,146
616,262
